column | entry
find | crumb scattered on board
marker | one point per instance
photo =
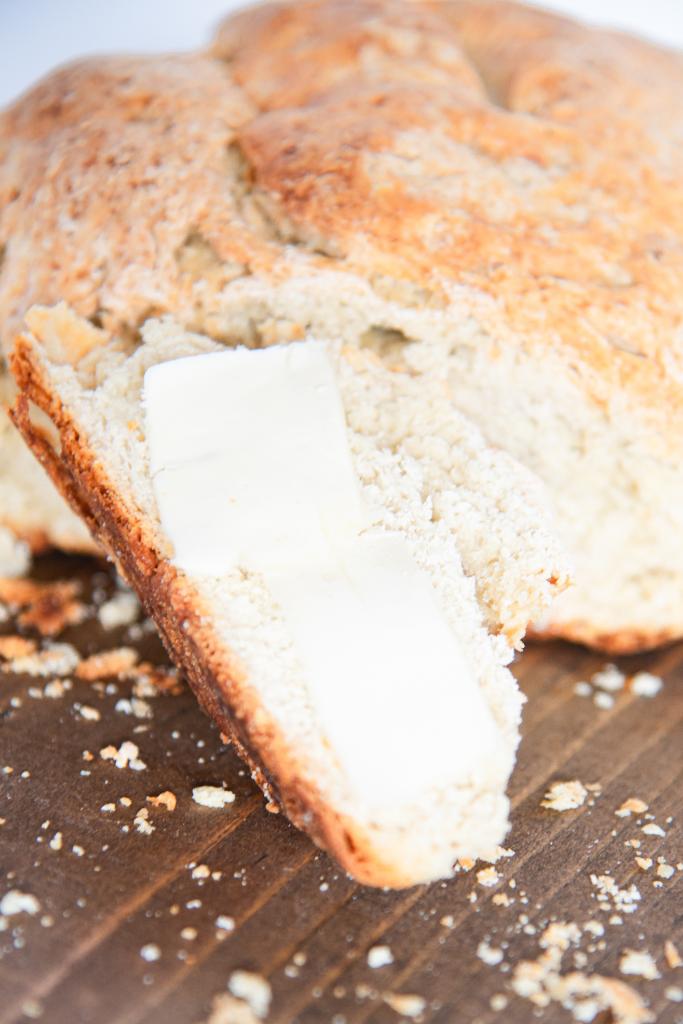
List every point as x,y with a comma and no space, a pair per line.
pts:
252,989
379,956
226,1009
125,756
407,1005
610,680
212,796
565,796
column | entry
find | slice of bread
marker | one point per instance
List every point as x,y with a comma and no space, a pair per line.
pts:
433,480
33,516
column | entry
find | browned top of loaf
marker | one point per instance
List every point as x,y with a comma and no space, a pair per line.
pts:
522,165
117,190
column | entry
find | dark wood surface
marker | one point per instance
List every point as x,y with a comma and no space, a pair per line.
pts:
128,889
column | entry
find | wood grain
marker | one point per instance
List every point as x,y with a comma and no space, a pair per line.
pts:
128,889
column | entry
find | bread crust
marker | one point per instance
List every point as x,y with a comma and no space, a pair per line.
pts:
220,684
623,641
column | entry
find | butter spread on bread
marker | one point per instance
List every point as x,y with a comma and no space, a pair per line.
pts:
252,470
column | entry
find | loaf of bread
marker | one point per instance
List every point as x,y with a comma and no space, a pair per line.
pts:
434,486
472,189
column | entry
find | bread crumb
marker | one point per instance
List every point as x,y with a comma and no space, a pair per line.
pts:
56,688
141,823
408,1004
212,796
136,706
166,799
225,1009
605,701
488,876
665,870
671,955
491,955
645,684
565,796
56,841
201,871
150,952
379,956
653,830
108,808
584,995
582,688
640,963
609,678
225,923
623,900
54,660
85,711
16,902
108,663
448,921
32,1008
644,863
631,806
498,1002
12,647
120,610
46,607
254,990
125,757
77,850
189,934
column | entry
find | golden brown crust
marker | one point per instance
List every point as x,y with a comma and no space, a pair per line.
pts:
107,169
518,180
622,641
219,683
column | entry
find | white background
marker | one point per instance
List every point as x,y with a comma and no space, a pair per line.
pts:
35,35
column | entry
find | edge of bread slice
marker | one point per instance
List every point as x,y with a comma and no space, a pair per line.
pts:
237,663
33,516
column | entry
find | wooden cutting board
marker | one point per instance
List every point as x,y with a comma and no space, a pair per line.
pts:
106,886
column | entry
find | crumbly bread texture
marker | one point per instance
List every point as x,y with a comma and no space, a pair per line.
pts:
411,450
32,514
473,189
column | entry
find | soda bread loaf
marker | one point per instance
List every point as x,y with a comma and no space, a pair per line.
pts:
475,190
431,480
